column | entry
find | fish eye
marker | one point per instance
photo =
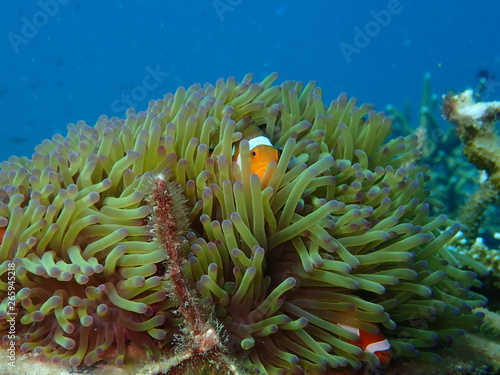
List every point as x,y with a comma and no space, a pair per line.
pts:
254,153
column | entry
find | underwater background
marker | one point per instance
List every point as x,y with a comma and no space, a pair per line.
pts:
80,59
69,60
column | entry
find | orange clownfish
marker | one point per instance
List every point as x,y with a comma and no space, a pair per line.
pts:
2,233
376,344
262,152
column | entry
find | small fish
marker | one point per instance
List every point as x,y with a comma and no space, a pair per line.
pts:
262,151
376,344
2,233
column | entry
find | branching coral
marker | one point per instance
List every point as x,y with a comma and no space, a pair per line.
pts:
337,231
475,126
452,177
488,258
464,191
476,129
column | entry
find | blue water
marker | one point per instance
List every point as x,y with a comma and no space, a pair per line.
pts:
69,60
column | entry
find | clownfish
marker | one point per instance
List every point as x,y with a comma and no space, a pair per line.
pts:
262,152
2,233
368,342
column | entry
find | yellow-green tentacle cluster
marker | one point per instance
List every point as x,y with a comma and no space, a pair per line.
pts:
88,276
337,231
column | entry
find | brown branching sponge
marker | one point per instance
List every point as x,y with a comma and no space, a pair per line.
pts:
337,232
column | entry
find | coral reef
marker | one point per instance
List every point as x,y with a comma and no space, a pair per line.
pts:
488,258
475,125
463,192
471,354
452,178
491,324
338,231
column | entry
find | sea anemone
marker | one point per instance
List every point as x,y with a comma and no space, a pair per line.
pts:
336,233
87,275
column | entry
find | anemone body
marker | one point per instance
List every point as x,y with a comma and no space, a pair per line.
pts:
336,232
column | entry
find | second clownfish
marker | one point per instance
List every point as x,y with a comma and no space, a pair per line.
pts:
262,151
368,342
